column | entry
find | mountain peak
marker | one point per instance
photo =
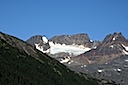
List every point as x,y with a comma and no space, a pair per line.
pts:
41,39
114,38
112,46
79,39
34,39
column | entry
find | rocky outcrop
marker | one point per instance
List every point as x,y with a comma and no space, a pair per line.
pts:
78,39
35,39
113,45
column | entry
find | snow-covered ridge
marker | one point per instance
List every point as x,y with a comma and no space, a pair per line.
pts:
57,48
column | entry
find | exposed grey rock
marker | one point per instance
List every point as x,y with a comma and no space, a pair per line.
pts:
79,39
111,47
35,39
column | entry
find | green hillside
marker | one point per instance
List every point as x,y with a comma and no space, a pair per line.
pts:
20,64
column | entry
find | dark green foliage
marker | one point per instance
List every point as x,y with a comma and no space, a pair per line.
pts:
19,68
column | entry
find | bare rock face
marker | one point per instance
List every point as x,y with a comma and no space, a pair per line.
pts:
38,39
108,61
112,46
79,39
34,39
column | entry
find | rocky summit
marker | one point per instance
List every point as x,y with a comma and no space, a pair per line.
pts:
108,60
113,45
78,39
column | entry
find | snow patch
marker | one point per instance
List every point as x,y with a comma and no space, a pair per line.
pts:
41,48
94,47
45,39
118,69
114,38
100,71
126,53
126,47
65,60
70,62
83,66
111,46
91,40
126,60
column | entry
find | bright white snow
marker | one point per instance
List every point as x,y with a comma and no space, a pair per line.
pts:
126,60
111,46
41,48
126,47
126,53
70,62
100,71
65,60
57,48
114,38
45,39
91,40
73,49
83,66
118,69
94,47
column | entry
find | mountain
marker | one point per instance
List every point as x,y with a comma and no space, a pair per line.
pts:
113,45
72,44
107,59
21,64
64,48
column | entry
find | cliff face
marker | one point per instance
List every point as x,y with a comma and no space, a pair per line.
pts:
78,39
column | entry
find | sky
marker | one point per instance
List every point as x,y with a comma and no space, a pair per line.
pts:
97,18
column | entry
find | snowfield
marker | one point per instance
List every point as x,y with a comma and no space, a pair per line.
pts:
72,49
57,48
